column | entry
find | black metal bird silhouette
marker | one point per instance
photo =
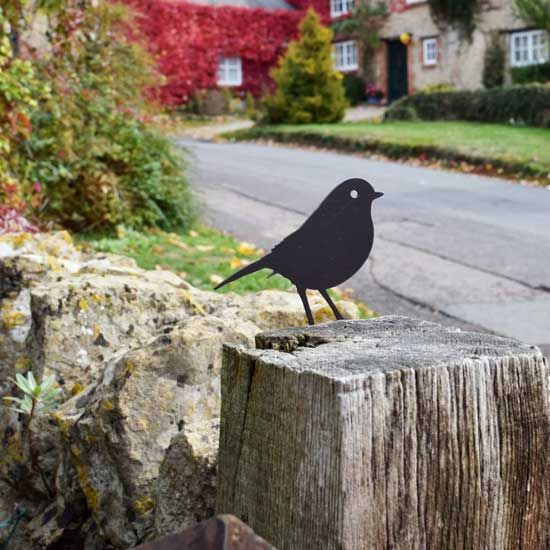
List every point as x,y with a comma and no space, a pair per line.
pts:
331,245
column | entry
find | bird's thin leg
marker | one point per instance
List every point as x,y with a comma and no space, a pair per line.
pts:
325,295
302,293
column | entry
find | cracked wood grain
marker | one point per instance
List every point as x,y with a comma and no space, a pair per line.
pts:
387,434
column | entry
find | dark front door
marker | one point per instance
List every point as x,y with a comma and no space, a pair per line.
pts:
397,70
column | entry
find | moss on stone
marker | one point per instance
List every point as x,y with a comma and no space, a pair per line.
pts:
91,494
143,506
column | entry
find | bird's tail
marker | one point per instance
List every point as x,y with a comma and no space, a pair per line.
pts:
247,270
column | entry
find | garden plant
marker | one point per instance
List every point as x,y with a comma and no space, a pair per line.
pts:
309,88
78,149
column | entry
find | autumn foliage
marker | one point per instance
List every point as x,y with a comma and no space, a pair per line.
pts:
188,39
76,146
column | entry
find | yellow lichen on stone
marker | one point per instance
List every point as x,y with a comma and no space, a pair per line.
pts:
22,364
107,405
89,436
15,448
76,388
64,425
142,424
83,304
190,302
53,264
12,319
91,494
19,239
129,367
323,314
96,298
75,450
66,236
97,331
143,506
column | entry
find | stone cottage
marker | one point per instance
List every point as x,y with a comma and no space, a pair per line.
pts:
233,44
415,52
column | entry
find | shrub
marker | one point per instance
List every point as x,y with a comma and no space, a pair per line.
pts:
354,87
520,104
252,106
493,63
87,158
21,88
309,89
460,14
114,172
211,102
531,73
401,113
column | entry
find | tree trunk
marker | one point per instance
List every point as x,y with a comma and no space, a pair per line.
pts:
387,434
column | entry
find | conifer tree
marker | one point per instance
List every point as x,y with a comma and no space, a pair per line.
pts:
309,89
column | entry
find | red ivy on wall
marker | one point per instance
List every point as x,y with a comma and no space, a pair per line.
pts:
188,39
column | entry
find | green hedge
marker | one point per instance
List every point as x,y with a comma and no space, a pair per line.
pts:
446,154
531,73
521,104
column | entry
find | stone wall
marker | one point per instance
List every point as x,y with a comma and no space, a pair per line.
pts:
131,453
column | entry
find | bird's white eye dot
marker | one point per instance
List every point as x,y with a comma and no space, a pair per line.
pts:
354,194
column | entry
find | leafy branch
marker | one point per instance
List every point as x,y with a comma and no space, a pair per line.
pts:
460,14
37,399
536,12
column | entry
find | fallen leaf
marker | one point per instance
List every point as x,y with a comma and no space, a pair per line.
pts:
215,279
234,263
246,249
179,244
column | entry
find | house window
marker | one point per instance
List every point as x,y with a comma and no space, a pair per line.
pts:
528,48
429,49
230,71
341,7
345,55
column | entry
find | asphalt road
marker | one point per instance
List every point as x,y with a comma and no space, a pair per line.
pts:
462,250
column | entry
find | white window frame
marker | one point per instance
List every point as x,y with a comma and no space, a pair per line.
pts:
346,55
427,58
230,71
341,7
530,38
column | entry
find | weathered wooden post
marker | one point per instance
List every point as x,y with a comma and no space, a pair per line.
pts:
393,433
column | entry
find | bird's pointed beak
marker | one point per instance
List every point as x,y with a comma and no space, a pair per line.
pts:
377,195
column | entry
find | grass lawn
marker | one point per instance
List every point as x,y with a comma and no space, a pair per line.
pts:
203,257
514,145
